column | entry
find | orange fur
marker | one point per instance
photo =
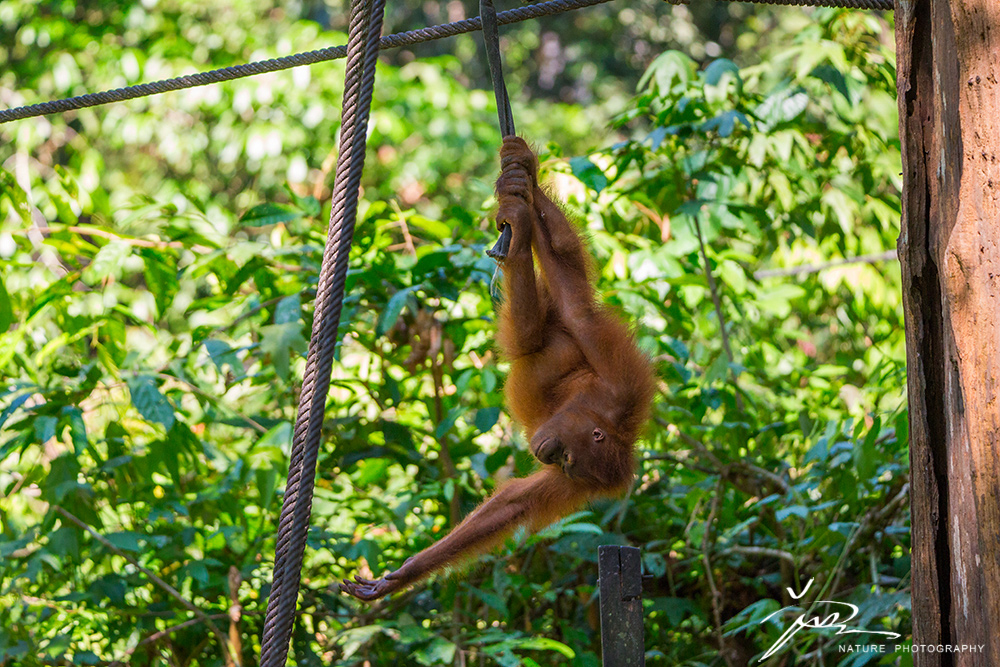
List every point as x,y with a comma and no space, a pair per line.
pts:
578,384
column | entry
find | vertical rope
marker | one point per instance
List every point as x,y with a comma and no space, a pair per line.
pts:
491,39
293,526
491,42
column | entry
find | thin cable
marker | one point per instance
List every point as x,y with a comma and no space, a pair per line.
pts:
293,525
336,52
286,62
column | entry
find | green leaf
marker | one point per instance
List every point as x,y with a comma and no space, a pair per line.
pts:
198,571
397,434
719,67
588,173
497,459
776,299
109,261
279,341
492,600
220,353
545,644
288,309
77,428
393,309
752,616
569,528
354,638
160,272
843,207
372,470
733,275
269,214
865,453
792,510
725,123
718,369
834,77
64,542
669,71
267,482
6,308
148,400
440,651
17,196
437,229
782,107
486,418
62,478
309,204
449,421
489,380
45,428
126,540
676,609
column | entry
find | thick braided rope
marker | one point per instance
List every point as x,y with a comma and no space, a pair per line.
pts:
335,52
366,27
286,523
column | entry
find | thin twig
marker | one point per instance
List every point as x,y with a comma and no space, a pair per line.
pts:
235,614
743,466
760,551
25,476
669,456
454,506
707,560
160,634
717,303
253,424
782,485
871,519
886,256
95,231
401,222
256,309
696,444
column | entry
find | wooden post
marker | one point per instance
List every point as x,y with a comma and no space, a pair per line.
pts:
948,69
620,573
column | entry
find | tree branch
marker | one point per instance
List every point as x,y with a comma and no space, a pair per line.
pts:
717,303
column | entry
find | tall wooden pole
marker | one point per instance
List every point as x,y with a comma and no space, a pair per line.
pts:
948,69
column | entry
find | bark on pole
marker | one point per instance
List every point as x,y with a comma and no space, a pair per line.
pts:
948,78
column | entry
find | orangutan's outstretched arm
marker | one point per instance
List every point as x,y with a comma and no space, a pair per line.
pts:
533,501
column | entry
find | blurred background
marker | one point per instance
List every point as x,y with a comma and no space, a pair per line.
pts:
737,170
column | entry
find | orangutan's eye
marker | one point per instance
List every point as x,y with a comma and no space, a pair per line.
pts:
598,435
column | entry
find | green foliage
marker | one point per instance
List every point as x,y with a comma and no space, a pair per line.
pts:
159,266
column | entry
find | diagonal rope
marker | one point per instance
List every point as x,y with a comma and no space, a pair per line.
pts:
396,40
293,525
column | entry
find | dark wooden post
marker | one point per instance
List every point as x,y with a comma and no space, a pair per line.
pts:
948,69
620,573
